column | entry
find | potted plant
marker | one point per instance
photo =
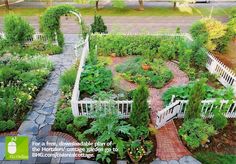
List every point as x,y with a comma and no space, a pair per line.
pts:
148,58
146,65
135,151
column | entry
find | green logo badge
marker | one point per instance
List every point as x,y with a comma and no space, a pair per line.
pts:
17,148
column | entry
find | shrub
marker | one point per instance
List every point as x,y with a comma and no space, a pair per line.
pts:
198,29
215,30
140,112
196,132
184,59
80,121
167,49
63,117
197,93
219,121
98,25
95,79
122,45
17,30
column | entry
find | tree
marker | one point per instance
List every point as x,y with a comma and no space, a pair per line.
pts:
141,5
7,4
140,112
197,94
182,2
98,25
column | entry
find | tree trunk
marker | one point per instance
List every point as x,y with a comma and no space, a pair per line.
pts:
7,4
174,5
141,6
96,5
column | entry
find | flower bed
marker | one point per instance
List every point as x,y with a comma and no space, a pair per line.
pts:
21,79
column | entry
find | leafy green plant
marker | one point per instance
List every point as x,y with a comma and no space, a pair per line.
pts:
104,156
63,117
196,132
167,49
219,121
108,127
80,121
16,29
95,78
140,109
98,25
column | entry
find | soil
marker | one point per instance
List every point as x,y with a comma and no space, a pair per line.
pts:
224,142
229,58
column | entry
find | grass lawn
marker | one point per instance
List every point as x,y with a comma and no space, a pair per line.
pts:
157,11
213,158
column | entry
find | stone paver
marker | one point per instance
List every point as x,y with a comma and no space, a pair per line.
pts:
169,146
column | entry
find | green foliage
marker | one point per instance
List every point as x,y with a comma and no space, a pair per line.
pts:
213,29
95,78
50,22
80,136
7,125
196,132
80,121
98,25
184,59
104,156
219,121
140,112
215,158
122,45
67,80
71,129
17,30
157,76
167,49
183,93
199,56
197,93
63,117
20,79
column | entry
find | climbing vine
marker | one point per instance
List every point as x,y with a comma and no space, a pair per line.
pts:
50,22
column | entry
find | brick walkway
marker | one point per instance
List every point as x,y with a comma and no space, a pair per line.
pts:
169,146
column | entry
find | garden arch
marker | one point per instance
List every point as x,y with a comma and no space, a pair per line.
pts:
50,22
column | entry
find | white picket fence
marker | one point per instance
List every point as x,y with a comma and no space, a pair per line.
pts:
87,108
177,110
225,75
76,92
